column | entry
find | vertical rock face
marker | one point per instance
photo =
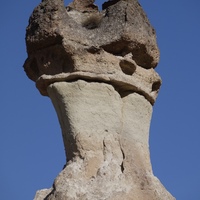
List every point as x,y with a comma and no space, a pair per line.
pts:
98,69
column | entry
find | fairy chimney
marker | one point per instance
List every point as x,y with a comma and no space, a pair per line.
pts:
97,67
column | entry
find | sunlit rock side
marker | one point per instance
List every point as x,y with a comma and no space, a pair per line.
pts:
98,69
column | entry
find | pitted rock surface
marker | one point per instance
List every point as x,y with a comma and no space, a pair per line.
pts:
116,42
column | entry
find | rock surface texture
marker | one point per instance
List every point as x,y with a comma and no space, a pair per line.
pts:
98,69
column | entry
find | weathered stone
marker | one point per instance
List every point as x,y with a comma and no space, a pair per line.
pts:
120,45
124,29
82,6
98,69
41,194
106,140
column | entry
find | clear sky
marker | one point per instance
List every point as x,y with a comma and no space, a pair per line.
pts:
31,149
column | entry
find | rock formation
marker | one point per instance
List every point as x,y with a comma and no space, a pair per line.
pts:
98,69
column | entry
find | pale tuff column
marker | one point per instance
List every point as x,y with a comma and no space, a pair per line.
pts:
106,143
87,113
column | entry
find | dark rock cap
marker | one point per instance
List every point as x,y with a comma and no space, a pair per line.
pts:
115,45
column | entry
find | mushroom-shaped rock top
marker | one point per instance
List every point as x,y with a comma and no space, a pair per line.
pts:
115,43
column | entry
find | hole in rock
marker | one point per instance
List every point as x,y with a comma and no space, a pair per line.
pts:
156,86
127,67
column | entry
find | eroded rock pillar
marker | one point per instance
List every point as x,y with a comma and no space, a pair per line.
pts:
98,69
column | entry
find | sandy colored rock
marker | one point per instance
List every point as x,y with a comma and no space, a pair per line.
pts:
41,194
98,68
106,137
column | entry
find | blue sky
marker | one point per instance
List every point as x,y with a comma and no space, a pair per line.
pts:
31,149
